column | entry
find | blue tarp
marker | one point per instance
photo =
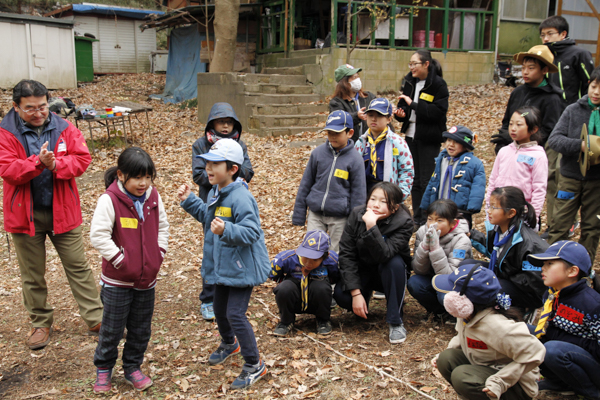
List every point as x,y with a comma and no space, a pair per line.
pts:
183,65
134,13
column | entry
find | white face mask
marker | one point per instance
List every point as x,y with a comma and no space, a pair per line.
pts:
356,85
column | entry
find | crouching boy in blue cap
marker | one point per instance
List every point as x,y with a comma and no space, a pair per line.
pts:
569,325
305,277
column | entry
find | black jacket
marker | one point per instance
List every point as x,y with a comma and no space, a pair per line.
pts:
512,260
362,249
575,65
360,126
430,110
547,99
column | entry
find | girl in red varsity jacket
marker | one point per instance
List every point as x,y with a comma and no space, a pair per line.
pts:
131,232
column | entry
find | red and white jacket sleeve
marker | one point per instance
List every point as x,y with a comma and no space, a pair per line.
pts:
101,231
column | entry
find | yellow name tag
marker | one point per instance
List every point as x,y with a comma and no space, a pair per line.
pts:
223,212
341,174
395,152
131,223
426,97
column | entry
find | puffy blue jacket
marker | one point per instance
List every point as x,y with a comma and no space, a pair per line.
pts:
238,257
468,183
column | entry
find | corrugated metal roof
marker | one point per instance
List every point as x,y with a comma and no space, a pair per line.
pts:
28,19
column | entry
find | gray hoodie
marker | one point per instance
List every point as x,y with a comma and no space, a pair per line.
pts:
333,183
455,246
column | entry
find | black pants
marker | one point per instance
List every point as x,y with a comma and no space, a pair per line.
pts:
124,307
389,278
289,299
519,298
208,292
423,155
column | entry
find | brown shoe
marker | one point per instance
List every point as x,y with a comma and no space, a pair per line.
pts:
39,338
94,331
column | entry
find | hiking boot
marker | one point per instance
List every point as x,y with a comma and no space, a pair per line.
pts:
576,225
207,311
378,295
103,377
282,329
223,352
397,333
95,330
324,327
39,338
138,380
250,374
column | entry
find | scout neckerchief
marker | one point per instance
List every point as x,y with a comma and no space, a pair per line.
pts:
448,176
498,244
304,288
373,147
544,321
594,123
138,203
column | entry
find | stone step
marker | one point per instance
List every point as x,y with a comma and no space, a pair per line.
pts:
296,62
274,79
290,130
299,70
286,109
309,52
284,121
263,98
272,88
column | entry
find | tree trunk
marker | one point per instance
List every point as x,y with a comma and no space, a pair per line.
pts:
226,24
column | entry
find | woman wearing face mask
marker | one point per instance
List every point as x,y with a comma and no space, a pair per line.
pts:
350,97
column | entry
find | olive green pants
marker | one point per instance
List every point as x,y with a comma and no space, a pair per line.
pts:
469,380
31,254
570,196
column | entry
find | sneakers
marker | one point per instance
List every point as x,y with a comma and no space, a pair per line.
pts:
138,380
323,327
576,225
397,334
250,374
333,303
39,338
223,352
95,330
207,311
103,384
378,295
282,329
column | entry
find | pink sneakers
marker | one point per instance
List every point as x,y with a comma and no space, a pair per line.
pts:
103,384
138,380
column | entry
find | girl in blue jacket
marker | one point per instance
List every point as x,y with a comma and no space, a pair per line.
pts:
235,256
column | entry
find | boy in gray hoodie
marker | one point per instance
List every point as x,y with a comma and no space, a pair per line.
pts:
333,182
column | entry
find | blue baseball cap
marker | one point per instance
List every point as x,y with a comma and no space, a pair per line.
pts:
314,245
225,150
483,286
339,121
381,105
569,251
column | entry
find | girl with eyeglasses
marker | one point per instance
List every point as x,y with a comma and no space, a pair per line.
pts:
422,109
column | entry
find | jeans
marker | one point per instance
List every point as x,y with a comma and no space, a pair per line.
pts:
389,278
124,307
420,287
569,365
289,299
230,307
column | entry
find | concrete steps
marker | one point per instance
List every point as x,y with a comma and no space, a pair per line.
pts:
274,78
263,98
284,131
282,121
273,88
298,70
297,61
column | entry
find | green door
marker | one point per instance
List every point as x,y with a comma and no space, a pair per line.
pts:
84,58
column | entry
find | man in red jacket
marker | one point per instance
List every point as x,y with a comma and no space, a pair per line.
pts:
40,156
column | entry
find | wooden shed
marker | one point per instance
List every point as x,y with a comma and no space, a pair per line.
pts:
37,48
122,46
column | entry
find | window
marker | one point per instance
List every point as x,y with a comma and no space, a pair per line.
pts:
525,10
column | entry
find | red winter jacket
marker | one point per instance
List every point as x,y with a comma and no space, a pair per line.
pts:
18,168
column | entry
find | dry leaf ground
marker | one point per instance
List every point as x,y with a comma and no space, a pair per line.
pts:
181,341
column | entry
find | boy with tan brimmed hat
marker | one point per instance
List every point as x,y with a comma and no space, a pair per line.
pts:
542,94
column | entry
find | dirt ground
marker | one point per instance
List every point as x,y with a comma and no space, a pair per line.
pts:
356,362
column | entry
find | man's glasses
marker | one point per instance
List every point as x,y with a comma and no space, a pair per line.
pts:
32,111
548,35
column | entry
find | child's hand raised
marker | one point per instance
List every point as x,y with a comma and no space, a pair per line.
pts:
183,192
217,226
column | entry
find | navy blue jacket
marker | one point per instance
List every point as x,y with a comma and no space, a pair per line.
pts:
287,264
468,183
333,183
575,318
